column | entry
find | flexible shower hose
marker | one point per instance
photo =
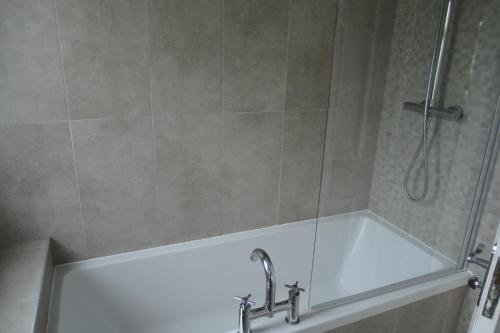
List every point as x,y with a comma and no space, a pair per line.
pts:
422,144
431,98
430,101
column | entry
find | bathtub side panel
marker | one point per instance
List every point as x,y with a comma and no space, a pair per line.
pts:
436,314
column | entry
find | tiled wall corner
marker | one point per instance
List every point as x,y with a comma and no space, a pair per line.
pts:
38,191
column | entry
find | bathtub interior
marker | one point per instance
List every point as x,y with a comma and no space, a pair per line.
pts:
351,247
179,288
190,287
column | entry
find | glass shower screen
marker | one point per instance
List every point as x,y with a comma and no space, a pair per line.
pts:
370,236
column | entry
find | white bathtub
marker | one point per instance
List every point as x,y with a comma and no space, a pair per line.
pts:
189,287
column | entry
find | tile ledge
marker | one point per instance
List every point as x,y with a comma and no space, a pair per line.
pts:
27,312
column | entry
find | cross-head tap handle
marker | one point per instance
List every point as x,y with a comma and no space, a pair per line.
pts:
245,301
295,287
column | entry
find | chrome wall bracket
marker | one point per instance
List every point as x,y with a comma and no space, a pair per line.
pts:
453,112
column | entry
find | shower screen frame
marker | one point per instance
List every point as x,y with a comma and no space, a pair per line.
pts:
485,176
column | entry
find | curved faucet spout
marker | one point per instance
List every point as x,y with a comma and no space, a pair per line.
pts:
263,257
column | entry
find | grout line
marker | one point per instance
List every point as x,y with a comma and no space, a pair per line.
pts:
150,106
148,117
223,120
257,112
67,120
307,110
279,111
33,122
111,118
66,98
283,121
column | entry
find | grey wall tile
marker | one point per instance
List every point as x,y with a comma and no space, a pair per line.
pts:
104,47
251,151
423,316
455,301
38,193
117,184
382,323
467,311
354,56
255,40
435,314
310,52
188,153
186,56
362,37
31,88
301,165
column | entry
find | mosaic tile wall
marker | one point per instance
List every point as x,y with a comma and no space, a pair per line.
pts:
456,148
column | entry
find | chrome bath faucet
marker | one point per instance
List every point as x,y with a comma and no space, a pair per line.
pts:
267,264
270,307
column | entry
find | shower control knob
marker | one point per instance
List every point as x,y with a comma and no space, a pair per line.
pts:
474,283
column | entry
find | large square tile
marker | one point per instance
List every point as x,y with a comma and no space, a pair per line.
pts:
117,184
